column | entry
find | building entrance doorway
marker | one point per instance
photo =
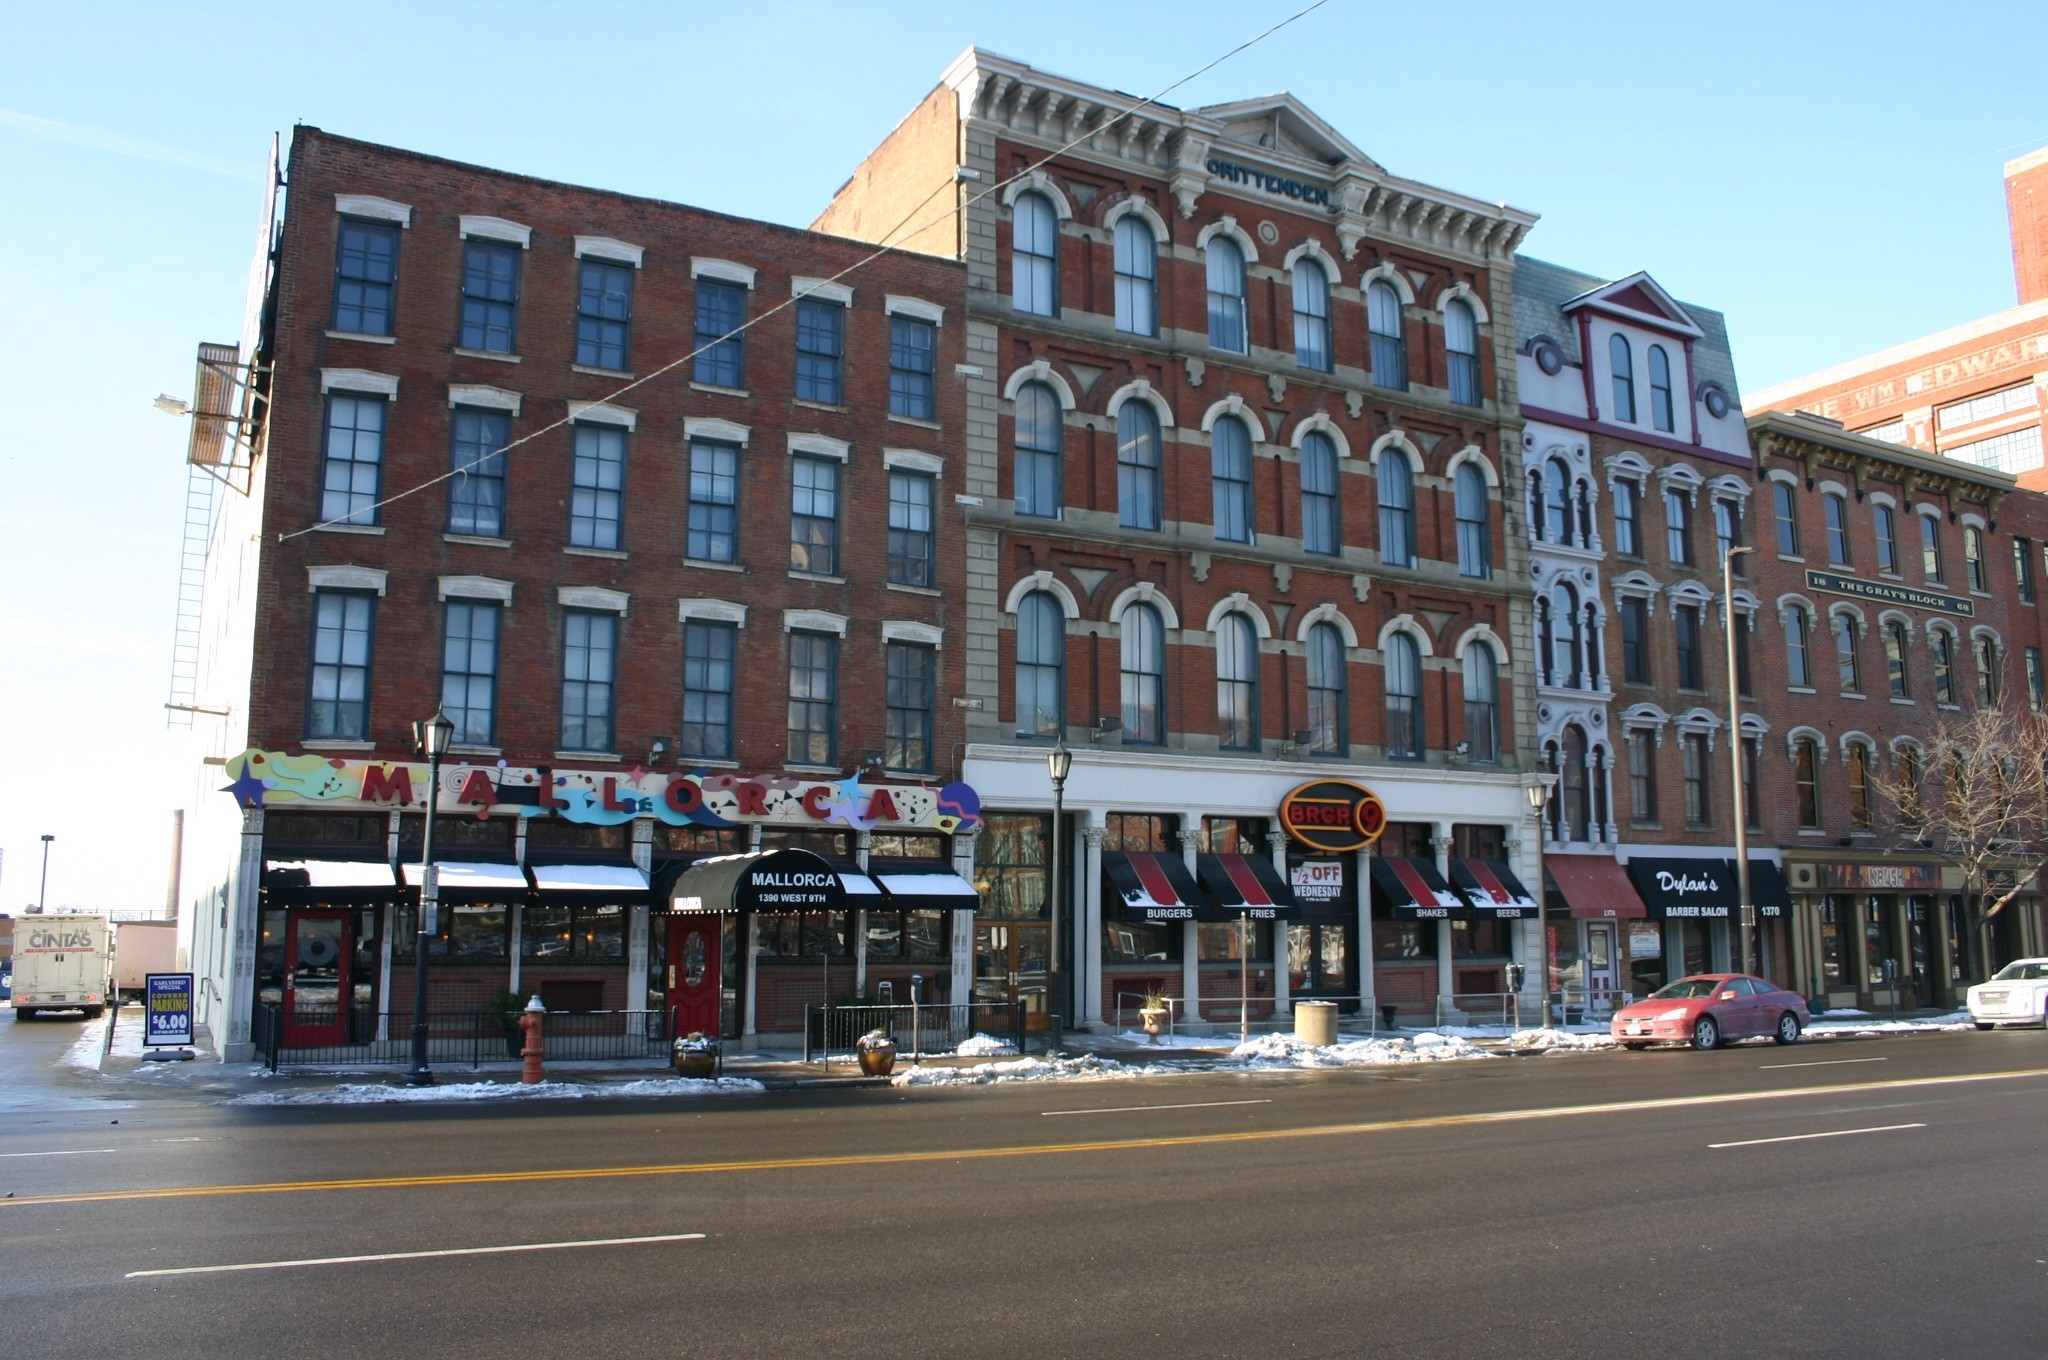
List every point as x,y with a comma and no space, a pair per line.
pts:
1010,966
1603,966
316,979
695,991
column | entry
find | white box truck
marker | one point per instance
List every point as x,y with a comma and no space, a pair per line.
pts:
142,948
61,963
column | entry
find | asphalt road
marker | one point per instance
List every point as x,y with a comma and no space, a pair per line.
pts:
1611,1204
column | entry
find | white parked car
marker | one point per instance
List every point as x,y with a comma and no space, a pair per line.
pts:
2018,995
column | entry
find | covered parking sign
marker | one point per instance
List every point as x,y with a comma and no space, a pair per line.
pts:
167,1016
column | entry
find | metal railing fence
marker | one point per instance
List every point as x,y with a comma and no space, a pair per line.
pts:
933,1029
363,1036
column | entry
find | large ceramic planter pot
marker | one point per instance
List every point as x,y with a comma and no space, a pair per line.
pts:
1154,1020
696,1064
877,1060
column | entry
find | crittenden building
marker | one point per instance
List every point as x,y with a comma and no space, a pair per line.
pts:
1241,455
673,608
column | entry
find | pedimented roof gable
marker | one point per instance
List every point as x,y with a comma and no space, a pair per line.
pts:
1283,124
1638,298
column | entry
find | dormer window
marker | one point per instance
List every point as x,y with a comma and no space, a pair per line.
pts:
1622,361
1660,390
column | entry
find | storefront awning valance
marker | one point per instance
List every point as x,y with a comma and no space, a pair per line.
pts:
924,890
1492,889
1595,887
1155,887
623,883
329,880
1685,888
1767,888
772,880
469,881
1414,890
1247,885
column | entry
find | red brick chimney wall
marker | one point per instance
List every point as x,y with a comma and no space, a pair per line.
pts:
2026,199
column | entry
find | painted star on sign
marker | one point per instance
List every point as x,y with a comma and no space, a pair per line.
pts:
248,790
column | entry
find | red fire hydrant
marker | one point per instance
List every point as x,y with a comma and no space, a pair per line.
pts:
536,1048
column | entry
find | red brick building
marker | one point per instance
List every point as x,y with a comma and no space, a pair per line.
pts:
645,498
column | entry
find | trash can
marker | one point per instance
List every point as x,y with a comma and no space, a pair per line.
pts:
1315,1022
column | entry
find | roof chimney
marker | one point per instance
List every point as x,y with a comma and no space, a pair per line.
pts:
2026,204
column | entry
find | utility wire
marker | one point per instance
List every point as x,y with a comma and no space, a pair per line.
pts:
883,249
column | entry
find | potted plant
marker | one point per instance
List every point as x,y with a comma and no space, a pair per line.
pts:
877,1053
1153,1014
696,1055
506,1007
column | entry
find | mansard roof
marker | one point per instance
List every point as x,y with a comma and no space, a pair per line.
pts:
1547,296
1638,299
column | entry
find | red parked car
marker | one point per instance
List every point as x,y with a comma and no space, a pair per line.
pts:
1707,1010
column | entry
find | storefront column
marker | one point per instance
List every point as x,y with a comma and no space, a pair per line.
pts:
753,978
1446,997
1283,1001
1361,868
636,921
244,924
1533,951
863,843
960,955
1088,911
1190,936
518,913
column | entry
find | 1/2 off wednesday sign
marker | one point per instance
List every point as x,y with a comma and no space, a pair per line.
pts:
167,1010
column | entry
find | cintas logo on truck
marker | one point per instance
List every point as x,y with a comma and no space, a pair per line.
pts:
43,940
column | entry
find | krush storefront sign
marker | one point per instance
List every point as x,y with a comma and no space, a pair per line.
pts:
602,797
1333,816
1881,877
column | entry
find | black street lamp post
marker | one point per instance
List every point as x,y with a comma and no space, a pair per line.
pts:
1058,762
433,737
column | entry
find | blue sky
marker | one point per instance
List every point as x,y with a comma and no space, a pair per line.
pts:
1826,174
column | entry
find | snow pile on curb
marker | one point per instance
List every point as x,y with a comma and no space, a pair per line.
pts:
352,1094
85,1052
1085,1068
1558,1041
1209,1041
1838,1024
985,1046
1284,1050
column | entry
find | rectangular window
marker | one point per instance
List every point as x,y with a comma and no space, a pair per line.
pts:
1627,533
913,368
1728,534
1837,515
1685,619
1678,528
1846,654
910,531
1930,547
1788,519
814,516
2034,695
490,296
338,692
1798,670
604,315
2023,568
1319,501
721,346
1752,800
813,698
907,741
2017,451
353,466
597,487
1886,524
1635,641
365,277
1987,407
709,650
820,351
714,527
590,648
1697,811
1742,656
1642,776
469,669
476,493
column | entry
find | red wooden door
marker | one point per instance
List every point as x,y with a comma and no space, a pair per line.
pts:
316,982
693,982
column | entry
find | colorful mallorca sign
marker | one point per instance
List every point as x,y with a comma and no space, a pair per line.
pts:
1333,815
601,797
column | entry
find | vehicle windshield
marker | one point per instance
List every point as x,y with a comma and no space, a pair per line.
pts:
2026,970
1685,987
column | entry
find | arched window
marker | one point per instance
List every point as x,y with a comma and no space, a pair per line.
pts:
1885,525
1326,687
1557,503
1944,666
1798,657
1137,276
1847,654
1895,659
1230,479
1858,764
1573,786
1035,255
1567,664
1404,698
1461,346
1728,532
1226,294
1237,683
1546,640
1806,780
1311,315
1319,522
1137,464
1973,556
1836,512
1144,675
1622,361
1910,769
1389,336
1987,673
1660,389
1482,707
1040,440
1475,523
1397,510
1553,804
1930,547
1041,666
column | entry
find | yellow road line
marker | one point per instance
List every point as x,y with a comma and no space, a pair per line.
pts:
1020,1150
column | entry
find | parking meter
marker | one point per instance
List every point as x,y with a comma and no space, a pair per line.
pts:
917,989
1516,972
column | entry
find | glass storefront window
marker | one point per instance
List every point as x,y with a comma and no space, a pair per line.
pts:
913,935
1832,910
1396,941
270,958
1218,940
1474,841
1234,836
900,845
1140,831
809,934
1318,958
701,840
1880,941
1486,939
830,844
479,934
1138,942
552,833
1010,859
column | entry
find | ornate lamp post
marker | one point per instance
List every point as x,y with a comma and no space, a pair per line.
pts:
1539,794
1747,924
43,892
433,737
1059,761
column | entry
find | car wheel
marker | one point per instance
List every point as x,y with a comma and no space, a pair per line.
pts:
1982,1025
1635,1048
94,1012
1788,1029
24,1013
1706,1033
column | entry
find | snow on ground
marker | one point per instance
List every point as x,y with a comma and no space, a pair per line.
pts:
1131,1036
1085,1068
379,1094
1845,1024
985,1046
85,1052
1559,1040
1284,1050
